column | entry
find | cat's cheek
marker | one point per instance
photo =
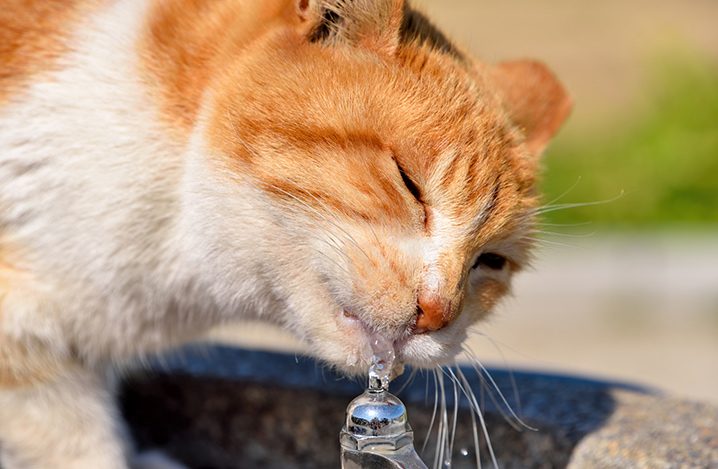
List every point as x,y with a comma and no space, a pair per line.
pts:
349,345
489,294
484,291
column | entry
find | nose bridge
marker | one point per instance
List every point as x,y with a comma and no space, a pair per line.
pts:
435,302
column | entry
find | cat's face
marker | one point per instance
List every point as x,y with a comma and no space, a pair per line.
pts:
395,188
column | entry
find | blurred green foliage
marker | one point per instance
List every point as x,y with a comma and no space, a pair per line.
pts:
664,161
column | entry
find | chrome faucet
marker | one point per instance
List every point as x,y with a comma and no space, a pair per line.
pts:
376,433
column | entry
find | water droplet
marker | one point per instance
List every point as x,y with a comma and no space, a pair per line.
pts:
447,462
464,452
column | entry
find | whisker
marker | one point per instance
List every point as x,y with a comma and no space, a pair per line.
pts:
549,242
443,424
508,368
433,414
556,207
564,235
566,192
564,225
496,343
475,433
485,390
498,390
478,412
351,238
321,215
334,246
426,392
341,267
455,419
314,210
408,381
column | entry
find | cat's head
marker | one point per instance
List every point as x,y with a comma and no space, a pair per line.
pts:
384,180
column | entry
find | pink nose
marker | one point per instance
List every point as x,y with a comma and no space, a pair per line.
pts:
432,314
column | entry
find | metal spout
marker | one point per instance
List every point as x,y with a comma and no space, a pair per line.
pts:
377,434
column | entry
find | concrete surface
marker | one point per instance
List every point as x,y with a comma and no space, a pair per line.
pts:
228,408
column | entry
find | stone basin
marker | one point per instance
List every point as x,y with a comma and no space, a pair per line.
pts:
222,407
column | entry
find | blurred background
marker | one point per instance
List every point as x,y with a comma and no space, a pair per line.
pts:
625,288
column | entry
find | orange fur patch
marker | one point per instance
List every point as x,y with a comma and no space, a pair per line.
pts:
33,36
315,120
188,43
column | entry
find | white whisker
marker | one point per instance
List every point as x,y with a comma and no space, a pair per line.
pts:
349,236
322,215
494,343
475,431
455,420
433,414
441,436
556,207
476,361
566,192
408,381
565,225
564,235
477,410
549,242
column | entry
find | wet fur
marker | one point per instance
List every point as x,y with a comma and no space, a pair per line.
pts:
167,166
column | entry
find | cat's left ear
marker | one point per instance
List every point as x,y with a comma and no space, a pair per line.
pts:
535,100
371,24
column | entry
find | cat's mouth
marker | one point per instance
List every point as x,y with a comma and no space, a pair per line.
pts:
366,338
425,350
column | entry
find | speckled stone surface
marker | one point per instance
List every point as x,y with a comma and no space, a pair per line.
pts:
652,432
229,408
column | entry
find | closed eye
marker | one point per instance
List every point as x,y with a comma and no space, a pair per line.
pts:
415,191
409,183
490,260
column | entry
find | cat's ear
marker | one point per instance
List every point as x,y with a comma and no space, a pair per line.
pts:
372,24
534,99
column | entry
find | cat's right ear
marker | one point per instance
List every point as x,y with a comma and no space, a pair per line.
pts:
371,24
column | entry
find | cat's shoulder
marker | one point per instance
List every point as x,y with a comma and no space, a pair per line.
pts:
33,34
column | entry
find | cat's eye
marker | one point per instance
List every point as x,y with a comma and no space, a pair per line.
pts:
409,184
490,260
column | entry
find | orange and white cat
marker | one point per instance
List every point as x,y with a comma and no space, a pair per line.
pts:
335,167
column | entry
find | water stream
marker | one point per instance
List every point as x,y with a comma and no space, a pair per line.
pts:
382,363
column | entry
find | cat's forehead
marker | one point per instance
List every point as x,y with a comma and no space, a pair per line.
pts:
323,130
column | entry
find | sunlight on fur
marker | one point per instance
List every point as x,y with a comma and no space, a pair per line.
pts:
337,168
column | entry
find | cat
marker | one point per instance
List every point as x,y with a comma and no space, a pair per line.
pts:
335,167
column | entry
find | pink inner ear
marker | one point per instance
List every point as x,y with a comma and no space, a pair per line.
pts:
534,99
302,8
